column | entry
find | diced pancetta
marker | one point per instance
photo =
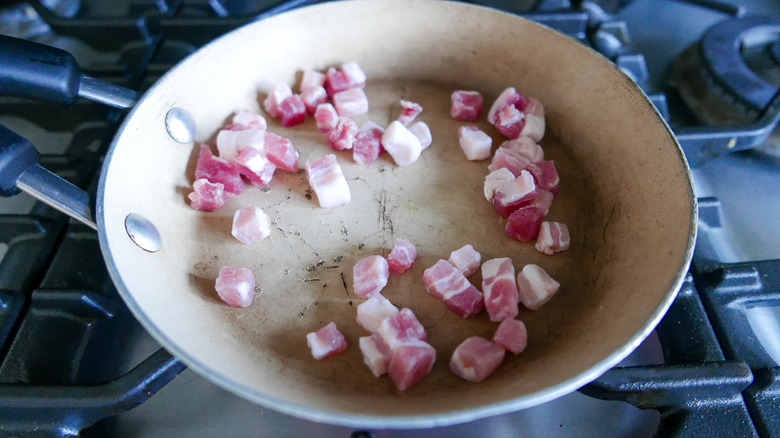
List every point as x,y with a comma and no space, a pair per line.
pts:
311,79
368,143
326,342
466,105
217,170
512,335
251,224
499,288
376,353
208,196
313,97
508,197
553,237
276,96
496,179
401,144
543,200
230,143
281,152
447,283
401,328
236,286
350,103
534,120
292,111
526,147
524,223
373,311
466,259
509,159
476,358
327,180
545,175
255,166
535,286
349,76
409,111
475,143
506,113
326,117
410,363
402,256
370,275
342,137
423,133
249,120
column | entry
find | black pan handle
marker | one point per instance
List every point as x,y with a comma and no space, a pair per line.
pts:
20,171
49,74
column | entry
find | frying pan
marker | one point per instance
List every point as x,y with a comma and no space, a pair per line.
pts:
626,195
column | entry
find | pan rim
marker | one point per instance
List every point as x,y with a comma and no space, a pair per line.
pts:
409,421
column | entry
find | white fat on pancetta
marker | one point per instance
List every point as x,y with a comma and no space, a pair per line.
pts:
400,328
496,179
499,288
373,311
476,358
535,286
376,353
328,182
553,237
466,259
511,195
326,117
311,79
474,142
230,143
401,144
525,147
423,133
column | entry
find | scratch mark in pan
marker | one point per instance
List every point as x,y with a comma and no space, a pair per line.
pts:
344,282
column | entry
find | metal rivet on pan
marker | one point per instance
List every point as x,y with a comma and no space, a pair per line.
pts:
180,125
143,232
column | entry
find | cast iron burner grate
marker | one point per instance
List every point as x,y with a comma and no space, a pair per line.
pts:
62,323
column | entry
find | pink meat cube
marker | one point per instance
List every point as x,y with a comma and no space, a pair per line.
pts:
534,120
466,259
526,147
370,275
373,311
326,342
292,111
409,111
401,144
553,237
217,170
496,179
208,196
543,200
524,223
368,143
402,256
475,143
466,105
349,76
278,94
376,354
342,137
326,117
249,120
410,364
327,180
281,152
350,103
499,288
423,133
512,335
447,283
535,286
506,113
545,175
236,286
255,166
401,328
509,159
311,79
313,97
251,224
510,196
476,358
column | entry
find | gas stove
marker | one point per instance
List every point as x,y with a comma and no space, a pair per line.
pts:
74,362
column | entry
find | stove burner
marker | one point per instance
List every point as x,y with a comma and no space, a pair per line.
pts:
714,79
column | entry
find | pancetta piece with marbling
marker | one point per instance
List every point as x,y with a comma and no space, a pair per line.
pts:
349,76
218,170
411,363
281,152
313,97
292,111
400,328
401,144
512,335
496,179
546,176
525,147
231,142
553,237
370,275
368,143
466,259
350,103
509,159
409,111
311,79
326,117
402,256
499,288
276,96
246,119
446,282
236,286
373,311
476,358
326,342
250,224
509,196
207,196
535,286
255,166
466,105
515,115
524,223
342,137
328,182
474,142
